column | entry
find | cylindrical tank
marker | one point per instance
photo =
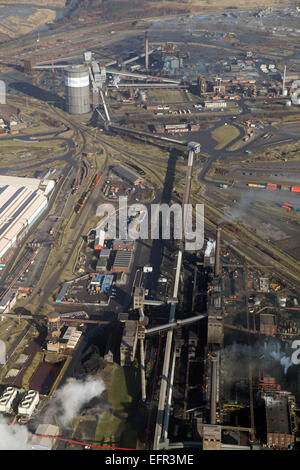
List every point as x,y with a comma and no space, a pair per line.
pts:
77,83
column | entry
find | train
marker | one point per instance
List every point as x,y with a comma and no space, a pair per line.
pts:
96,180
289,207
275,187
82,201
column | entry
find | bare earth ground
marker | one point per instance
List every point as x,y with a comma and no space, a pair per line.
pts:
214,4
14,26
44,3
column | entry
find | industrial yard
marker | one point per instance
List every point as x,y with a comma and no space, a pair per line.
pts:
107,127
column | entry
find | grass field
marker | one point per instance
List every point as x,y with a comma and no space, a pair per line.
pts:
10,329
165,96
224,135
122,387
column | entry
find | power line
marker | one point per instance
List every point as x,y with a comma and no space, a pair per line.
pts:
82,443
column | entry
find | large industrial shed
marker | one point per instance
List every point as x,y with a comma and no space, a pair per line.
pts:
128,175
22,201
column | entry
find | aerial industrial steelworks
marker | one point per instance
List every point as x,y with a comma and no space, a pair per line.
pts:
227,381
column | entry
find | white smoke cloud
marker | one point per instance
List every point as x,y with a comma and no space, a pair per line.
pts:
257,351
14,437
73,395
285,361
66,403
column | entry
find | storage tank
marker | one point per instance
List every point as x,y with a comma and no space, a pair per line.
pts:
77,83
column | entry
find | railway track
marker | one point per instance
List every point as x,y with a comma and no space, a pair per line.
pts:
130,156
286,268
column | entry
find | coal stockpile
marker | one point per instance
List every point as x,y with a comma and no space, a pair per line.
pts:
45,376
90,363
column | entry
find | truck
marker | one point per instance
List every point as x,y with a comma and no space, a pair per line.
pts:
248,152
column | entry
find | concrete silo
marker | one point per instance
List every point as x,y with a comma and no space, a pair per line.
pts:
77,83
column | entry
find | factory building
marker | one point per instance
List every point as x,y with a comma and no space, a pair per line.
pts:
29,403
122,262
62,293
22,201
41,441
99,239
172,64
7,399
128,343
127,245
77,84
103,260
101,265
105,253
8,300
215,104
279,433
212,437
128,175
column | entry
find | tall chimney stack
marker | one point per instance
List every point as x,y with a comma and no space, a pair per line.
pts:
146,51
283,82
217,254
213,396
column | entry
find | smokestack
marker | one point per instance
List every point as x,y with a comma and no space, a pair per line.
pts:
143,377
146,52
283,82
213,397
217,254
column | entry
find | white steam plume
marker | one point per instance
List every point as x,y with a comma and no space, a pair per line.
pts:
258,350
68,401
73,395
13,437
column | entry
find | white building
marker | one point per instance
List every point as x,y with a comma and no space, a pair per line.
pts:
41,442
8,301
29,403
215,104
7,399
22,201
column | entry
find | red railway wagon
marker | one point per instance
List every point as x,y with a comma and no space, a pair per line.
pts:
272,186
96,180
295,189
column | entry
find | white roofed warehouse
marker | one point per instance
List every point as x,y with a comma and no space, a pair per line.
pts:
22,201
